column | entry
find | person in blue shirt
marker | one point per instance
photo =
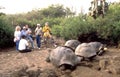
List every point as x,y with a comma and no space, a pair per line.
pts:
24,31
27,32
29,35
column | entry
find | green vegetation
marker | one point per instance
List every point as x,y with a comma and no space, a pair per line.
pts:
6,33
107,28
64,23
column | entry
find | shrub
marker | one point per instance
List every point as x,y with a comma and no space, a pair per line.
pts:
6,33
70,28
107,28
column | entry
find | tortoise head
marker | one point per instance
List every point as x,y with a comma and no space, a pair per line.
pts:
102,49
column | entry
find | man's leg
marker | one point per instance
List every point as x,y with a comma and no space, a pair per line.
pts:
31,41
25,50
38,41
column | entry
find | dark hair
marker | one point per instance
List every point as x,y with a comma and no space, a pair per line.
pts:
23,36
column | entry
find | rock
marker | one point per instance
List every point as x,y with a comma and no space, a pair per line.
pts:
108,71
66,75
48,73
114,69
116,58
20,72
111,65
19,56
114,65
103,63
8,54
33,72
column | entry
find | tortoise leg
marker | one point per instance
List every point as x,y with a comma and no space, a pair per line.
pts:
62,67
67,67
91,58
100,52
47,59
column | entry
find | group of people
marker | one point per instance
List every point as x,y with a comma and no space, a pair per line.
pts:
21,37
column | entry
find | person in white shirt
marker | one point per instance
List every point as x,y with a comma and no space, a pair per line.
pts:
23,45
17,35
38,33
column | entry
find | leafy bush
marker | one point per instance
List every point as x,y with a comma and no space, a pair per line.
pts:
6,33
107,28
56,29
70,28
52,21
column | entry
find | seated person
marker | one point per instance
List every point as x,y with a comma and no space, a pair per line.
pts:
23,45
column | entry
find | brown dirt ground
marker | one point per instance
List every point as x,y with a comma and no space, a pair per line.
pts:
10,60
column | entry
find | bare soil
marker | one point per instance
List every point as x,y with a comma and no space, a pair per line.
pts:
11,61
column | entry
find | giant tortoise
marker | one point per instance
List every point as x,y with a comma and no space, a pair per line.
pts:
99,47
89,50
63,56
72,43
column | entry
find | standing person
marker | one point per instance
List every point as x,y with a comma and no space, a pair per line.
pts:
46,30
38,33
29,31
24,31
47,35
23,45
17,35
29,35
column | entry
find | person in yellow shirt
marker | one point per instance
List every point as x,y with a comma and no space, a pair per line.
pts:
46,31
47,36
